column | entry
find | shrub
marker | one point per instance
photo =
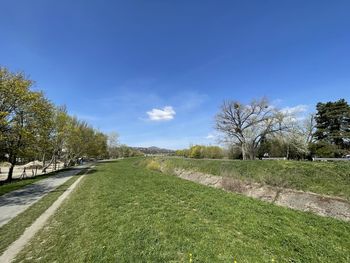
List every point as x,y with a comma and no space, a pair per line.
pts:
153,165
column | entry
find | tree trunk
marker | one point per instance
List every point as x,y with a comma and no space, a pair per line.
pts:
47,166
244,155
43,160
10,173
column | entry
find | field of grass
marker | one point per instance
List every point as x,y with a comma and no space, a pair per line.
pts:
126,213
330,178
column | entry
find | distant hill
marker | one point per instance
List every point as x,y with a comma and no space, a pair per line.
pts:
153,150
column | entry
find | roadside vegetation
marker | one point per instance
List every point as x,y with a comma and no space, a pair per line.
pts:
126,213
33,128
328,178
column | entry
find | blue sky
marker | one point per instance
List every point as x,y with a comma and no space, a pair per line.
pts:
157,71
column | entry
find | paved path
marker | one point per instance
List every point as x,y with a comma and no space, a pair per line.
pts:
14,203
12,251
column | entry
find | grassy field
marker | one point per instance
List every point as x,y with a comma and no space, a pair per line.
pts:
125,213
330,178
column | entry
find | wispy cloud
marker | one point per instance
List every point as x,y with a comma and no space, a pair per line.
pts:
210,136
165,114
296,110
189,100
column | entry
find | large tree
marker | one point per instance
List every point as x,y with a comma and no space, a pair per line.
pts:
333,123
246,125
25,115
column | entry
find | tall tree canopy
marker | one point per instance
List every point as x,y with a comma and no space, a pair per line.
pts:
333,123
31,127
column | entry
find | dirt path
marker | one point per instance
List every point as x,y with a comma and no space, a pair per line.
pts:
305,201
14,203
12,251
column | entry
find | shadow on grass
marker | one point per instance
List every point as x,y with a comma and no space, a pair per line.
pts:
109,161
90,171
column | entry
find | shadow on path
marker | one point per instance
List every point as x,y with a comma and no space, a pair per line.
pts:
15,202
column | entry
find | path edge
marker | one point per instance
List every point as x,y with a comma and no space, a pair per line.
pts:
17,246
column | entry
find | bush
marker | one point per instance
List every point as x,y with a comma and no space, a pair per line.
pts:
153,165
325,150
201,151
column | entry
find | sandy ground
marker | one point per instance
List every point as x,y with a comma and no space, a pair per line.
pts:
299,200
13,203
18,171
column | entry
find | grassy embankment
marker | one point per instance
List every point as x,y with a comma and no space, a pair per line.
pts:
329,178
126,213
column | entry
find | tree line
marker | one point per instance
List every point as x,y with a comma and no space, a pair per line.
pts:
202,151
33,128
258,129
117,150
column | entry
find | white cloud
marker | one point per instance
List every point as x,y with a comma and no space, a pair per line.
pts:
210,136
165,114
296,110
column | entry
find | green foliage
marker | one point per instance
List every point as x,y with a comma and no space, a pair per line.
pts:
196,152
333,126
31,127
201,151
25,116
326,150
278,147
153,165
125,213
183,153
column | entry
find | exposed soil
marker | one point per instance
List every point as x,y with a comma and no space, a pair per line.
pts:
305,201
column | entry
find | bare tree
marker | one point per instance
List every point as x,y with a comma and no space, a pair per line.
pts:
309,128
247,125
113,143
299,134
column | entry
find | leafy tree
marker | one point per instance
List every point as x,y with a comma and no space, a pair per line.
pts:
25,116
201,151
196,152
31,127
333,123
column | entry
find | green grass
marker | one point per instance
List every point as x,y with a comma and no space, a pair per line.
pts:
19,183
126,213
329,178
14,229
